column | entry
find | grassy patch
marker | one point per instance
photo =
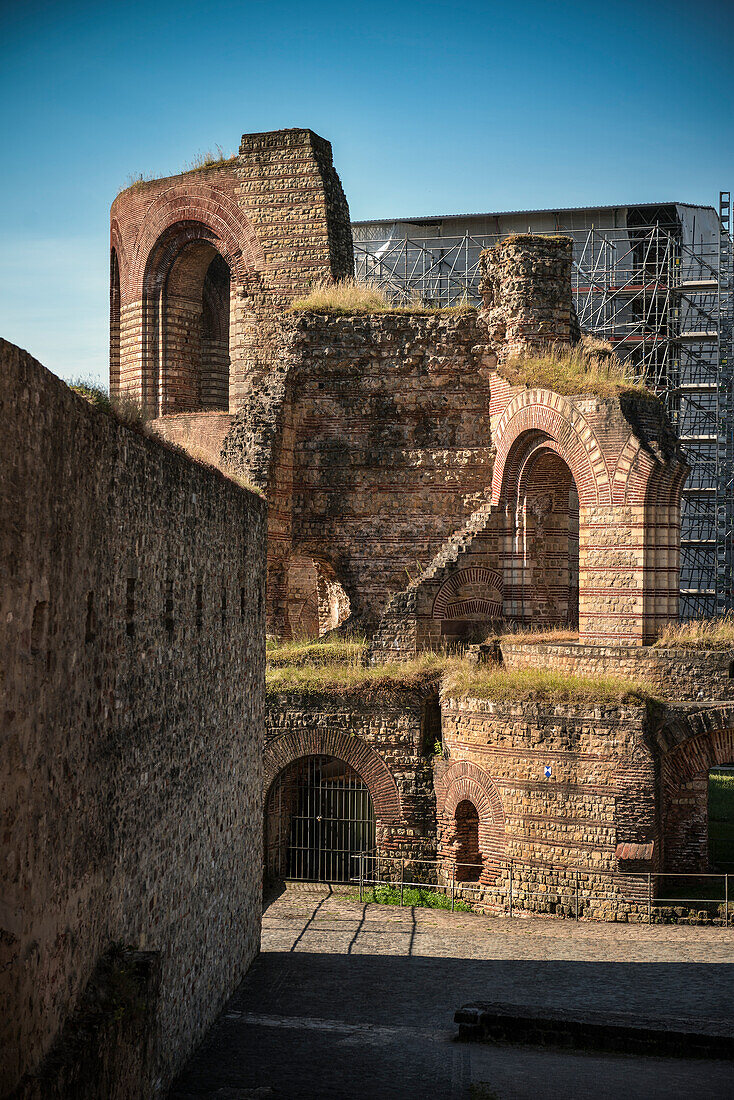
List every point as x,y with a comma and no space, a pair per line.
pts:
92,392
313,652
590,367
344,677
715,633
209,159
347,296
542,685
421,897
721,817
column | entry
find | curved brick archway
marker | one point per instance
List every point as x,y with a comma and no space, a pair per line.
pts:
464,781
487,580
207,206
358,755
536,415
684,785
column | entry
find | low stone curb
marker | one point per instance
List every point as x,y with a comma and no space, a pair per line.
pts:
618,1032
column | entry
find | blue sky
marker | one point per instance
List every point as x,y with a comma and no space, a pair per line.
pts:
431,107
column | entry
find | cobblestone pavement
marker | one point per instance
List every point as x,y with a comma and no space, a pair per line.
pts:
352,1001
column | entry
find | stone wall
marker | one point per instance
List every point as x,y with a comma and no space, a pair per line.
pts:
388,741
678,674
526,282
130,772
372,442
558,789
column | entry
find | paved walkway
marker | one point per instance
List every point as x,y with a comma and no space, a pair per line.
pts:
351,1001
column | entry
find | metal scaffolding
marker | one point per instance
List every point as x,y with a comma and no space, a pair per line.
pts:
664,298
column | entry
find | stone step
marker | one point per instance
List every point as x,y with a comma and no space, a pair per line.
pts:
588,1030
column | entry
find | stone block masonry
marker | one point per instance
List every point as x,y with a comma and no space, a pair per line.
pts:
132,656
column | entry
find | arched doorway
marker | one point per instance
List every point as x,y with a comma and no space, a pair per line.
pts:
542,581
721,818
466,834
187,322
318,816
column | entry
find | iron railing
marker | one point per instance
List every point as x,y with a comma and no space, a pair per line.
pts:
572,891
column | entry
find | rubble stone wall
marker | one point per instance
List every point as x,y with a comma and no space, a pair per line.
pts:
677,673
132,656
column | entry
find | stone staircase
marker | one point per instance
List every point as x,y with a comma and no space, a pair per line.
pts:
454,547
396,634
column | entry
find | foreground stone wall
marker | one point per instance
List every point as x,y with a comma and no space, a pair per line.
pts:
132,656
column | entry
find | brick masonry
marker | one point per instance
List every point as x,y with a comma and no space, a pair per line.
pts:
203,263
389,744
132,644
370,441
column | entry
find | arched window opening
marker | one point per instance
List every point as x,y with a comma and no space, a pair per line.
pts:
114,324
546,545
319,818
466,842
315,600
721,818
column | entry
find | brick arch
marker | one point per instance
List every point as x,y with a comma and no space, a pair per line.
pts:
696,757
465,781
471,575
699,742
541,414
372,768
208,206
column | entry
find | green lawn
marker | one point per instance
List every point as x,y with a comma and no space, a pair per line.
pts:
721,818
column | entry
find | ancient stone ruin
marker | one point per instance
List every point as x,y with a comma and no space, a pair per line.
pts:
419,490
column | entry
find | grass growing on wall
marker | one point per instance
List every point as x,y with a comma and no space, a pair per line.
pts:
542,685
348,296
714,633
552,634
347,676
335,668
313,651
589,367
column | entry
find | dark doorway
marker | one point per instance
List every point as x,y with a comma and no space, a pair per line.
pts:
319,817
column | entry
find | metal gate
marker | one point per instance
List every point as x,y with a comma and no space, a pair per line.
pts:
319,815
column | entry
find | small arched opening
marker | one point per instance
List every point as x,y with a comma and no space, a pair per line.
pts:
720,802
195,330
319,817
466,842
